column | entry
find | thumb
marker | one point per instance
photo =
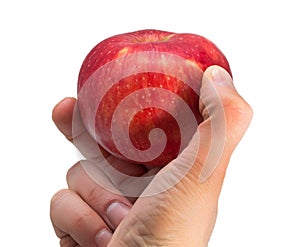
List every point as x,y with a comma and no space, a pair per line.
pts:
226,118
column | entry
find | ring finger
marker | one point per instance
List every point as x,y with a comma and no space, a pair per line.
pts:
79,221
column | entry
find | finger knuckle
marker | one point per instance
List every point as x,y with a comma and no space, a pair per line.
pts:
238,117
72,172
56,200
97,195
67,241
238,110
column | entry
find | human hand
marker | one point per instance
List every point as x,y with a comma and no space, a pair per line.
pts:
177,206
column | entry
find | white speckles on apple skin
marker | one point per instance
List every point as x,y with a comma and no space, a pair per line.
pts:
160,54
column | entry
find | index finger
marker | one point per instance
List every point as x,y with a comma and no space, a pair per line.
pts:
67,118
62,115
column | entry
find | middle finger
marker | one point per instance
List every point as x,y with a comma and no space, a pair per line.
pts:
104,198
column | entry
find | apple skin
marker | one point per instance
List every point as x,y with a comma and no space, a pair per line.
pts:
150,69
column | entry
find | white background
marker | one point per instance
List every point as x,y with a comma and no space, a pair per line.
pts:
42,46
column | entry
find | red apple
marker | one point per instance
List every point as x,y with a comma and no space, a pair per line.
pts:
138,93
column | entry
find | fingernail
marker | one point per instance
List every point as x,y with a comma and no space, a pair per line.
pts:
103,237
221,77
116,213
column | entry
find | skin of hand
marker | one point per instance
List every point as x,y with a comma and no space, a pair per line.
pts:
184,214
